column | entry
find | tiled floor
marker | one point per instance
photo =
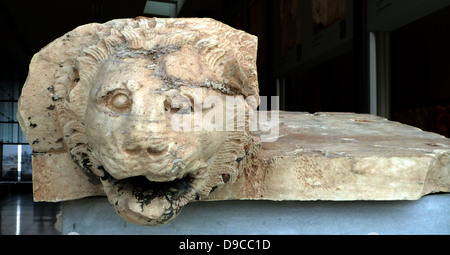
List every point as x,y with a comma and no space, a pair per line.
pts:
19,215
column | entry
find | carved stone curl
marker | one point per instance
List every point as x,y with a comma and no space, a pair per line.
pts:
116,90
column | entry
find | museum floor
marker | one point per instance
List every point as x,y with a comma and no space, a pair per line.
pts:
19,215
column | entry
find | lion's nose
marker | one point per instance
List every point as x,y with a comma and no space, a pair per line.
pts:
155,149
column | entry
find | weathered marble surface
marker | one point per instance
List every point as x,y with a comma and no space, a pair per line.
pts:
345,156
143,111
113,98
57,178
323,156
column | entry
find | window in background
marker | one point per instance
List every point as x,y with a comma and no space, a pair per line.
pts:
16,163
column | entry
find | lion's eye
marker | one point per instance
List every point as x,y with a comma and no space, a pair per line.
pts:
117,101
180,104
120,101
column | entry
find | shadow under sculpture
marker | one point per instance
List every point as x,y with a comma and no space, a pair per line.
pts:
118,90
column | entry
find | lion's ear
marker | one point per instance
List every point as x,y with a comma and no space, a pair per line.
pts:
52,73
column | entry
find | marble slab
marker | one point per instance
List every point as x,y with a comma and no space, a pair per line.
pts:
322,156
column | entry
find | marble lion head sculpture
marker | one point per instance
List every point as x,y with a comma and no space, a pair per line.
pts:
117,89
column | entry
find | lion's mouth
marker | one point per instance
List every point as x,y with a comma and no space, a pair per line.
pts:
142,201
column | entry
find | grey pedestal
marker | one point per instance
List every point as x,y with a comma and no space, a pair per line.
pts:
429,215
